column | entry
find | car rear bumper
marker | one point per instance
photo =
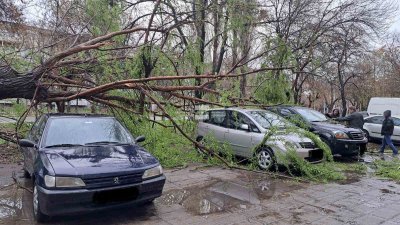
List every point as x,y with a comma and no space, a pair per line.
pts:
64,202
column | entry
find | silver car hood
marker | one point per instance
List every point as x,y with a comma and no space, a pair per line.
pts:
282,141
294,137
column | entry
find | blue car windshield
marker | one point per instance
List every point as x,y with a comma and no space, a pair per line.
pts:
65,131
268,120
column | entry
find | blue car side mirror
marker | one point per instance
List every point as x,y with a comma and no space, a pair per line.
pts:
26,143
140,139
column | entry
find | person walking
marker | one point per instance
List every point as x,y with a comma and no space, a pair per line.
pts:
387,132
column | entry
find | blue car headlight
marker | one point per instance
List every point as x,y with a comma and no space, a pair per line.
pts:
153,172
63,182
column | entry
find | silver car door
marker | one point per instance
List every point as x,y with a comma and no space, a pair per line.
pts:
239,138
368,126
376,126
202,127
217,125
396,132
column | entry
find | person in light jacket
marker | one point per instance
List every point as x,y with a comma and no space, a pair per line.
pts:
387,132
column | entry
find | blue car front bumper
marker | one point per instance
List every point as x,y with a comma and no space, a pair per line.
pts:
63,202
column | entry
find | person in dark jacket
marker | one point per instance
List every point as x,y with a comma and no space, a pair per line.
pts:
355,119
387,132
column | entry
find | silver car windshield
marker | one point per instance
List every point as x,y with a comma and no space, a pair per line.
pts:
86,130
268,120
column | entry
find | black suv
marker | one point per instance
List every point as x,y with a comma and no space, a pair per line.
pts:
342,140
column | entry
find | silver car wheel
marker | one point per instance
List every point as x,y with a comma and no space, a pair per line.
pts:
265,159
35,200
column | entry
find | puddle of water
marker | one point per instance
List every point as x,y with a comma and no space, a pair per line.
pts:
6,212
220,196
207,203
11,203
237,191
200,200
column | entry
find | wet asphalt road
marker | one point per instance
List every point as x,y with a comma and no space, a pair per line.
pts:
200,195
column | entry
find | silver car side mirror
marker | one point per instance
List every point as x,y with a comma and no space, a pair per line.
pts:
244,127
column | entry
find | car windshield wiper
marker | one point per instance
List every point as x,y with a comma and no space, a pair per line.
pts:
104,143
62,145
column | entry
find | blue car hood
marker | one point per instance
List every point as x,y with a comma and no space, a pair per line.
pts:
86,160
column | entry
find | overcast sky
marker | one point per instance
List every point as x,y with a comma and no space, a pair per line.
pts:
396,26
32,10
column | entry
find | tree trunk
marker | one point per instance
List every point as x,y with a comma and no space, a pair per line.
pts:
199,10
21,87
148,68
342,91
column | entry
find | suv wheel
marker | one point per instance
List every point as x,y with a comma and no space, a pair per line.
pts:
265,159
37,213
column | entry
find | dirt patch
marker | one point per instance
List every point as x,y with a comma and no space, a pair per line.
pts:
387,191
351,177
10,154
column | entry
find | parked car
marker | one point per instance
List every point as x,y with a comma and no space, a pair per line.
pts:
341,140
81,163
373,126
364,113
244,129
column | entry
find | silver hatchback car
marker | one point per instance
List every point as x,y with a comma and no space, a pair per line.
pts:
244,129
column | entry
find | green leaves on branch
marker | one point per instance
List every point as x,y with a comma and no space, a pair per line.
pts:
272,89
104,18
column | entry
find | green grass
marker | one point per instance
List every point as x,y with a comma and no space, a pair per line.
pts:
388,169
350,167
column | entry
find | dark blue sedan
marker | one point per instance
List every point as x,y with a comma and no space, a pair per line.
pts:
82,163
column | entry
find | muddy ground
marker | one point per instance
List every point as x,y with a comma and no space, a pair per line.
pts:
213,195
10,154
